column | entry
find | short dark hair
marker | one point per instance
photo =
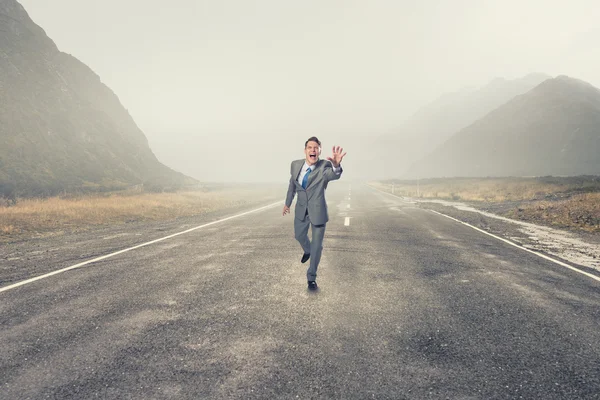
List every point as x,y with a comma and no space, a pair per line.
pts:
312,139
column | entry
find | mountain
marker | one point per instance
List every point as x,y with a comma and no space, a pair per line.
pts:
554,129
437,121
61,128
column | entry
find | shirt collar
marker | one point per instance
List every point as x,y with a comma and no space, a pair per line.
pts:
312,167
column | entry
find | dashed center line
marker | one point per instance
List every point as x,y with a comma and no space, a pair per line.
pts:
347,219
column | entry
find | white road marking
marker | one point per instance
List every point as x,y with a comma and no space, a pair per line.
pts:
562,264
347,219
521,247
37,278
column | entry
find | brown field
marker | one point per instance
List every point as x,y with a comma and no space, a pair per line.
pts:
35,217
580,211
564,202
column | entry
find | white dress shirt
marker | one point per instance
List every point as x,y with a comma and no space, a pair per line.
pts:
305,168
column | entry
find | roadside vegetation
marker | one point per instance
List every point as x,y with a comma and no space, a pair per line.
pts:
563,202
23,218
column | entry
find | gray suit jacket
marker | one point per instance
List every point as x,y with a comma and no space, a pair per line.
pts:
313,198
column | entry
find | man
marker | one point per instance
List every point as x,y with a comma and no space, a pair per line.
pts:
309,178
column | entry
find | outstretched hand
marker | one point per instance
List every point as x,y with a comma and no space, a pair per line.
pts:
337,156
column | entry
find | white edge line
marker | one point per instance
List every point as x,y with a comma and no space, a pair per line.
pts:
37,278
505,241
522,248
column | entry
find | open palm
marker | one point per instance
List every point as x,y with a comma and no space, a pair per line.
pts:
337,156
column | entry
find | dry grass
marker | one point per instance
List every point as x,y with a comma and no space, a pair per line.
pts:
8,229
486,190
53,215
581,211
563,202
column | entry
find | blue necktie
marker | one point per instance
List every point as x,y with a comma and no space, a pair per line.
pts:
305,179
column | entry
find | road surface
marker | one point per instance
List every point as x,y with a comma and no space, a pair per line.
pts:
411,305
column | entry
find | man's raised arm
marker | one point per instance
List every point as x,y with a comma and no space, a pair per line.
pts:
335,172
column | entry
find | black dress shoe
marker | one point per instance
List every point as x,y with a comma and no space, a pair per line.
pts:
312,285
305,257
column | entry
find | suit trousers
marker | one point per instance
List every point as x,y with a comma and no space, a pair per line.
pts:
313,247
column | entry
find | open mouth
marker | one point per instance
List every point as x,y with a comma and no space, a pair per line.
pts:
312,156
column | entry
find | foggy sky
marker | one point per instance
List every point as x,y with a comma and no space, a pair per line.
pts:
230,90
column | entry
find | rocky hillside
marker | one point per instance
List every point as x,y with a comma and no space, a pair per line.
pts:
61,128
554,129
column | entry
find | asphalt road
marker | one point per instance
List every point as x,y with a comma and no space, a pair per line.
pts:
411,305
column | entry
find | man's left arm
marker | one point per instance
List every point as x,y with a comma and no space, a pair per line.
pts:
332,172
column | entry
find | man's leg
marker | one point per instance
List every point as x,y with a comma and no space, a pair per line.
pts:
301,233
316,248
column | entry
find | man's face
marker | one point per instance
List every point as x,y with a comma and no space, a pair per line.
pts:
312,153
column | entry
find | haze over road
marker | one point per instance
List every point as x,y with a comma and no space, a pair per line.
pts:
411,305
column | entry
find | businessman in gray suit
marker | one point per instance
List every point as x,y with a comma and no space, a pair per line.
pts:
309,178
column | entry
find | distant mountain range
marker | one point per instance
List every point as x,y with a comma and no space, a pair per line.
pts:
437,121
553,129
61,128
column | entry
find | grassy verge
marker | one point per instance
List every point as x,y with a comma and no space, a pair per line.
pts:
565,202
35,217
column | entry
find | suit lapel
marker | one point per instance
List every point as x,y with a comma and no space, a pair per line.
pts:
297,169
